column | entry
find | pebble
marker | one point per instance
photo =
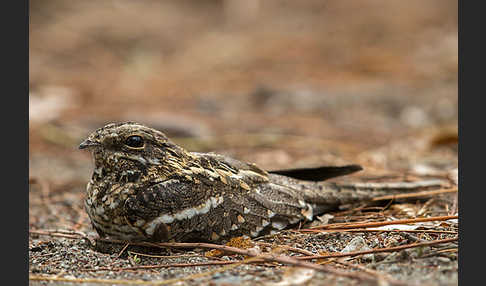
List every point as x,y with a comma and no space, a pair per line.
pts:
358,244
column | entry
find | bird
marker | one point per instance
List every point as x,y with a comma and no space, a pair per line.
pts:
144,187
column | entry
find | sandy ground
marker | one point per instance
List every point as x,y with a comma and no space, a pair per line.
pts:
282,84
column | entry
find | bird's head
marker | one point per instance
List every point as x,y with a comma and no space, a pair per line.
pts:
129,145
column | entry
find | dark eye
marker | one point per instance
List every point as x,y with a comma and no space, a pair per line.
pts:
134,141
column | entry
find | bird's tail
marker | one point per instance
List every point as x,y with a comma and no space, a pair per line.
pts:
327,196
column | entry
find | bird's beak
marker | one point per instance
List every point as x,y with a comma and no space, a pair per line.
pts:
87,144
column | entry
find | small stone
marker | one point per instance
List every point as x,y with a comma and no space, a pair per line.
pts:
358,244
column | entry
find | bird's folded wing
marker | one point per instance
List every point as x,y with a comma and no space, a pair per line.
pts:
318,173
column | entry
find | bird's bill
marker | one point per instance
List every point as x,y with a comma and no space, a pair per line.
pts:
88,144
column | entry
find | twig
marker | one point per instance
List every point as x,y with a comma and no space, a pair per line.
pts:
165,256
440,252
447,250
59,233
377,230
157,266
123,249
382,223
90,280
413,195
378,250
268,257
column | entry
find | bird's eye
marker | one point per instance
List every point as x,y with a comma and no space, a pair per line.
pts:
134,141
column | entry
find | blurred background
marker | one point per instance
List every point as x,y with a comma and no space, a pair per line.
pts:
279,83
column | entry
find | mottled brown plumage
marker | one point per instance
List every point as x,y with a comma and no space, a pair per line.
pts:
144,187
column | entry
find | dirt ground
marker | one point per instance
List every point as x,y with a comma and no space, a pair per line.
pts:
283,84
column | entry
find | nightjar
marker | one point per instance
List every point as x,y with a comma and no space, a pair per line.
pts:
146,188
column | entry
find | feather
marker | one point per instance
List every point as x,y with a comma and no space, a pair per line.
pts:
318,173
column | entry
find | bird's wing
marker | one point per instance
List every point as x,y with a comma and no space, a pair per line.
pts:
235,169
319,173
307,174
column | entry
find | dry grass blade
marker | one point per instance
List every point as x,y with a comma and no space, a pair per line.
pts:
414,195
